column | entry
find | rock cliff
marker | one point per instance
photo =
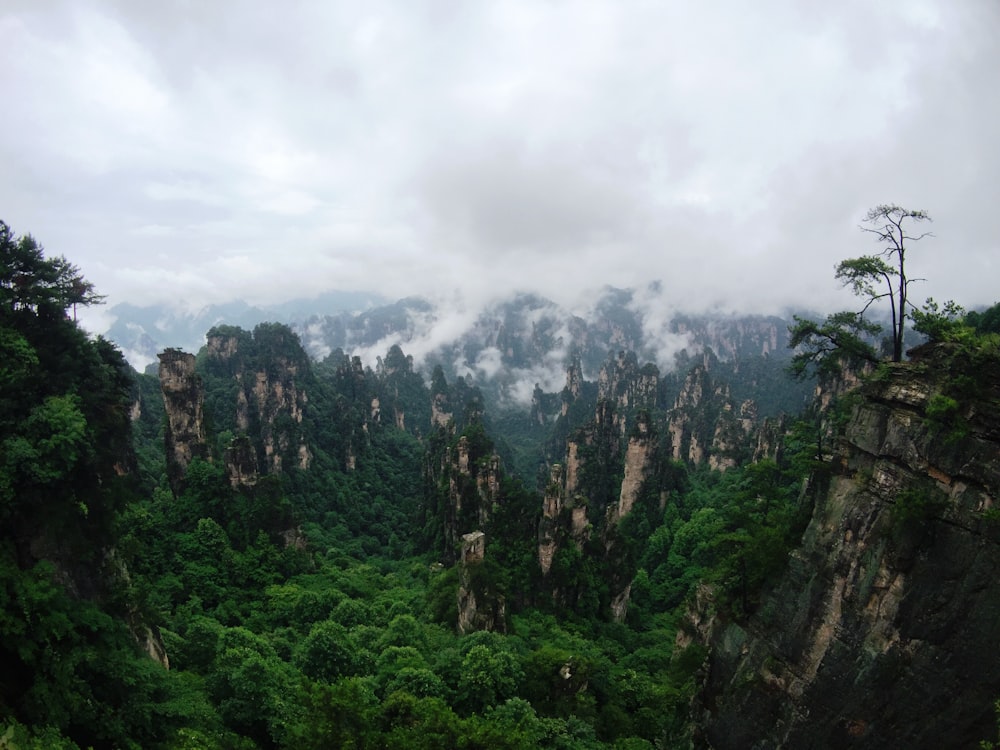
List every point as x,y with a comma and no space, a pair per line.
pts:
183,400
708,426
883,631
612,461
470,469
479,607
606,465
269,398
736,337
626,385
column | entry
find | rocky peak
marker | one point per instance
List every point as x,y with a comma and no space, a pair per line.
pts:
241,462
599,484
395,362
639,456
707,426
480,607
894,591
552,505
268,368
441,412
574,384
221,346
732,441
626,385
735,337
183,400
471,471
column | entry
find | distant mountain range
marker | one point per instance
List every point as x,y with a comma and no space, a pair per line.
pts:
142,331
506,348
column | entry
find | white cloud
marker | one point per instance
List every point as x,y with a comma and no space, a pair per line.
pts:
467,150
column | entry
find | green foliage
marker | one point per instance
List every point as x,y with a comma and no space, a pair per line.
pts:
944,412
327,653
939,323
825,349
843,338
971,360
309,610
72,668
865,275
33,284
489,676
252,687
987,321
885,277
734,529
16,736
988,744
339,715
917,506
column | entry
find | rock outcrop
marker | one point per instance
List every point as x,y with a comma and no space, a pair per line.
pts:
883,631
548,529
706,426
241,462
639,455
270,400
606,465
479,607
183,400
735,337
626,385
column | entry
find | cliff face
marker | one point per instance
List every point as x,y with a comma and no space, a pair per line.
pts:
472,473
626,385
736,337
612,463
883,631
255,391
479,607
183,400
639,457
706,426
466,477
269,399
606,465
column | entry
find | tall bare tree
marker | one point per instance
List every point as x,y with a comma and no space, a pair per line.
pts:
883,276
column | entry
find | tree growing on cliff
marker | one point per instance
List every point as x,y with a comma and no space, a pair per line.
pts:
826,348
32,283
883,276
845,336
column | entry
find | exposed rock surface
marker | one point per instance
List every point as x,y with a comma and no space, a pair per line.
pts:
736,337
440,416
606,465
626,385
732,436
883,631
706,425
479,608
183,399
241,462
574,385
638,463
552,505
269,394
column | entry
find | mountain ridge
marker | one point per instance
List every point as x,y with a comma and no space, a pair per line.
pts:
507,348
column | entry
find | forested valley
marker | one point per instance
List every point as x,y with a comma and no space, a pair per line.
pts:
245,547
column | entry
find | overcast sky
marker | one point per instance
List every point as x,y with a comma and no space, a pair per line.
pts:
201,151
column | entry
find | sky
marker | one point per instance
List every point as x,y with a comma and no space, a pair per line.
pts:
195,152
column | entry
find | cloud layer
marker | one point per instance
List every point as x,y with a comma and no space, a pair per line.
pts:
462,150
